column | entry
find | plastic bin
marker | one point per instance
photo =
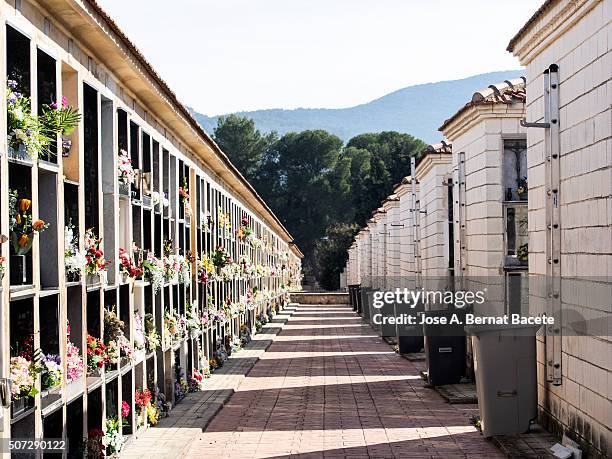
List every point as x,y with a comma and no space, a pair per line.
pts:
365,303
506,380
445,348
409,337
352,300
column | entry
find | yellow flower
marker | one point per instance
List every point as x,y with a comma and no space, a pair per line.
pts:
23,240
24,205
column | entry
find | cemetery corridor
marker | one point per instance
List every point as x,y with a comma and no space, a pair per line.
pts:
326,386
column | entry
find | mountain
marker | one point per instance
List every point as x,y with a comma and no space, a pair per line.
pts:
417,110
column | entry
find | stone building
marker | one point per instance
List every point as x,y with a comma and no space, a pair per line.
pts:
434,176
147,180
393,235
408,264
565,48
489,193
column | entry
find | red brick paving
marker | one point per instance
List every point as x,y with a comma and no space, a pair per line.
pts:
329,387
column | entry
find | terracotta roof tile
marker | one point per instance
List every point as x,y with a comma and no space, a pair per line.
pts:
506,92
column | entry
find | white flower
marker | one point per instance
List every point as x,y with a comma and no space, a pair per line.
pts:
18,114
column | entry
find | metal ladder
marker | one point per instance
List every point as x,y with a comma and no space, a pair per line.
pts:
416,226
460,220
553,222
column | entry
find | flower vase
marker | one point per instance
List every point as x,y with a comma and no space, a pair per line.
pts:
92,279
21,405
146,183
137,179
72,277
19,270
18,151
522,196
66,146
124,189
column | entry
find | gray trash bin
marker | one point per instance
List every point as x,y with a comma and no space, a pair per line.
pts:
365,303
445,348
506,379
409,337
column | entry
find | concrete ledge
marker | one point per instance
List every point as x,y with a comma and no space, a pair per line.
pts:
319,298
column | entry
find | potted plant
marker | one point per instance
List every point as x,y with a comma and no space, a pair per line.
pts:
30,136
22,232
60,119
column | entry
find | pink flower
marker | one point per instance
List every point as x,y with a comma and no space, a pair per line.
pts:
65,102
125,409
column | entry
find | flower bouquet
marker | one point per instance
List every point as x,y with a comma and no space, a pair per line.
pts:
142,399
96,264
127,266
140,340
206,269
51,372
184,194
25,134
154,271
22,231
196,381
113,439
97,355
114,337
125,172
151,335
60,118
74,260
220,258
184,269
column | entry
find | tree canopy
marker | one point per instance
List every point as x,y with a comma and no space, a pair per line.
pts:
320,189
238,137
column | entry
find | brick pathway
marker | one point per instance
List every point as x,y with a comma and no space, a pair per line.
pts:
329,387
173,435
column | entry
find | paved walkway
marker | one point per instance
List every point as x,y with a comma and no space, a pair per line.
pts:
172,436
329,387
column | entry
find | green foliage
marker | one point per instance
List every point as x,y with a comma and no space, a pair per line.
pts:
379,161
299,173
319,188
331,253
243,143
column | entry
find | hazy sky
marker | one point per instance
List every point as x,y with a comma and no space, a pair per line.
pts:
228,55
